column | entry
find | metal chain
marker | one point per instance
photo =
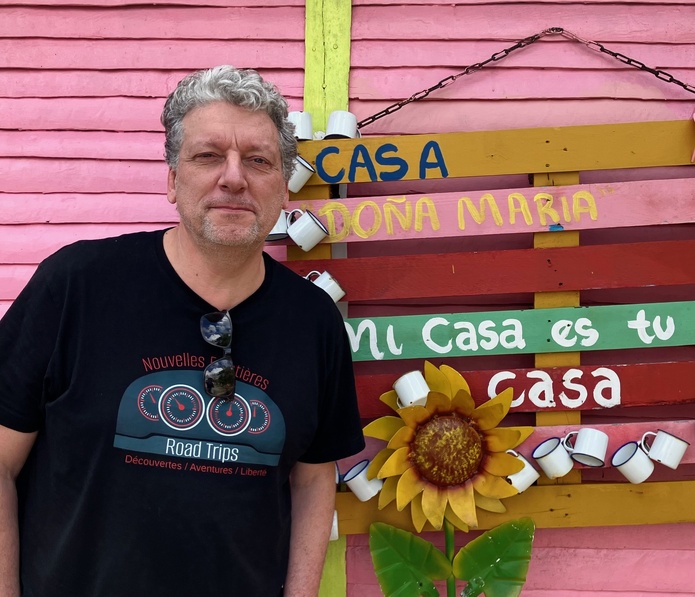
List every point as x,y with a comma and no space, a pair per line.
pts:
527,41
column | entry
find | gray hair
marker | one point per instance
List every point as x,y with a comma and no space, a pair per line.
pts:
240,87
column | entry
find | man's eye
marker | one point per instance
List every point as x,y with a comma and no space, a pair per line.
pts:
205,156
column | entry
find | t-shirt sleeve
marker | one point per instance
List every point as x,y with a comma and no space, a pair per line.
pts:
339,433
28,333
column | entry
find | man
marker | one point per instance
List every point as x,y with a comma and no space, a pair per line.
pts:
171,403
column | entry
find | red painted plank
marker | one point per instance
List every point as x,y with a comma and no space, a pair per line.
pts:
642,384
163,22
530,270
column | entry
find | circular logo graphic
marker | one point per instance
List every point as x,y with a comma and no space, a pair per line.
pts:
181,407
260,416
229,416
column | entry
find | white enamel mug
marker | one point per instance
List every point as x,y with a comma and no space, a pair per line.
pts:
553,458
306,230
303,171
279,231
633,462
363,488
303,126
328,283
587,446
526,477
341,125
664,447
411,389
335,535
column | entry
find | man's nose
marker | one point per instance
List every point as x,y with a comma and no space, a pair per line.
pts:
233,175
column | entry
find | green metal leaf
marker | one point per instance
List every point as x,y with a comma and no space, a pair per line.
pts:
496,563
405,565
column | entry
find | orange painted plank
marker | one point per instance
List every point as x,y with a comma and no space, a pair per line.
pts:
162,22
641,384
516,271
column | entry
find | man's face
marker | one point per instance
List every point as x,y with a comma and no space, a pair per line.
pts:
228,187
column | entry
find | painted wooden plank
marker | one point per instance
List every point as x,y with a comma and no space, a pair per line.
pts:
605,22
629,265
618,435
559,388
560,149
474,2
163,22
442,116
63,208
562,54
494,212
130,3
553,506
518,83
147,55
522,332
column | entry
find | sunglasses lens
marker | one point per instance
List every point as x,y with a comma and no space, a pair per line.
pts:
216,329
219,378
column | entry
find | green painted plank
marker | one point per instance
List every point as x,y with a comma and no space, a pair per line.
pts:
527,331
334,579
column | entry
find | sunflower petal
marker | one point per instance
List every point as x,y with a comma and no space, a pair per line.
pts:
463,402
502,464
525,433
456,380
409,485
401,438
438,403
455,520
436,380
489,504
434,504
390,399
416,513
388,492
502,438
489,414
492,486
413,415
383,428
462,502
397,464
377,462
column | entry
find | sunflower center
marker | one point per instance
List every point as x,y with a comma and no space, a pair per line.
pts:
447,450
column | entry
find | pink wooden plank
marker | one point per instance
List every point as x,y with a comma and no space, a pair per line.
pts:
104,54
197,3
163,22
12,279
61,208
562,54
518,84
448,215
440,116
36,175
603,22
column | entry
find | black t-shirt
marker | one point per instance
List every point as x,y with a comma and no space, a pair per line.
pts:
140,483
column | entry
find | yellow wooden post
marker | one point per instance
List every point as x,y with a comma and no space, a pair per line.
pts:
326,73
548,300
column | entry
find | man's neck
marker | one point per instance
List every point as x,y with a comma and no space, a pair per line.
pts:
221,275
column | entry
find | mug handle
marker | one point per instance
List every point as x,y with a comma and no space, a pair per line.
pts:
643,442
566,440
312,273
513,453
290,221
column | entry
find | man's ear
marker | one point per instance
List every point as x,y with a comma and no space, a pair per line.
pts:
171,186
286,200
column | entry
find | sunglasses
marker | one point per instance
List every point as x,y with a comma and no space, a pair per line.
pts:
219,376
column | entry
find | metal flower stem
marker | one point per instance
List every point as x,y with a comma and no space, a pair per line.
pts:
449,549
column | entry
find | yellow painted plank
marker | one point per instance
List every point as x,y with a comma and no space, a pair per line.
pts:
553,506
521,151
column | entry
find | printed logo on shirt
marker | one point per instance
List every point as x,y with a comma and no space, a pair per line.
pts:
168,413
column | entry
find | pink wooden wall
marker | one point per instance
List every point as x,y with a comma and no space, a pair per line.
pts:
82,85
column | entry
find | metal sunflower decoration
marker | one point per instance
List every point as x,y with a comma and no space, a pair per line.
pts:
446,459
